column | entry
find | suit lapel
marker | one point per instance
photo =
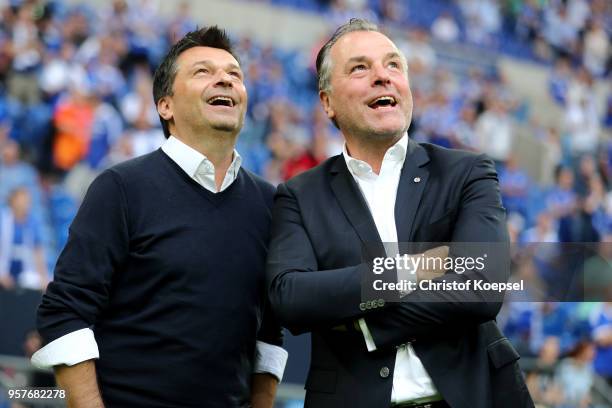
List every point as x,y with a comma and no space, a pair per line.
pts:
353,204
412,183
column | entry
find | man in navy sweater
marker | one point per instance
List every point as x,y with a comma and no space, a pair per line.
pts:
158,296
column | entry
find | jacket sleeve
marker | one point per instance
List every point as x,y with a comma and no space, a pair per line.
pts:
302,296
97,246
481,219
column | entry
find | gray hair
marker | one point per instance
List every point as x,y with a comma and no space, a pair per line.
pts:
324,63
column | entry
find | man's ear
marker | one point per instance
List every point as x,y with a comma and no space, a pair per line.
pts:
165,108
324,97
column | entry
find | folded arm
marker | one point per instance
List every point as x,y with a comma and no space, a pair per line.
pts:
481,219
301,295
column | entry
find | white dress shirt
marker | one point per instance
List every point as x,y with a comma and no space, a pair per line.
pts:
410,379
80,345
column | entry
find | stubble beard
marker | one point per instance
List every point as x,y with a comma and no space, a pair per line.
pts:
229,125
371,135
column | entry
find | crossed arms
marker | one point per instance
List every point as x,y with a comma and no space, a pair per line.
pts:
306,297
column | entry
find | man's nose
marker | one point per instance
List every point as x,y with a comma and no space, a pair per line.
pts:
223,79
380,75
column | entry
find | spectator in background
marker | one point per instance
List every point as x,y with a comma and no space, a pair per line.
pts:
22,84
463,133
483,20
445,28
419,52
22,259
102,67
327,139
141,116
559,30
581,87
58,70
552,331
393,11
578,12
586,169
436,119
529,19
289,142
540,382
582,125
561,200
494,132
601,324
607,117
135,106
73,119
15,172
543,231
514,183
598,270
596,52
515,225
342,10
183,22
574,376
594,201
107,128
559,81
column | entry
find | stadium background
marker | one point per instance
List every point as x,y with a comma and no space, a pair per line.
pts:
526,81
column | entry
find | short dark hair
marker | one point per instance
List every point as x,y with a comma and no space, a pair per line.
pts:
165,73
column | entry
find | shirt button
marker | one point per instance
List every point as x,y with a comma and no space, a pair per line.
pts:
384,372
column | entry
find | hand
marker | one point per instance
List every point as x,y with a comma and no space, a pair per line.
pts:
7,282
434,271
263,390
43,286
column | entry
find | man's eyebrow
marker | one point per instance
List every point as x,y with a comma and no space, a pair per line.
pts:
359,58
392,54
363,58
230,65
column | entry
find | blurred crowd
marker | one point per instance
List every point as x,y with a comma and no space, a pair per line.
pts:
75,98
566,344
536,29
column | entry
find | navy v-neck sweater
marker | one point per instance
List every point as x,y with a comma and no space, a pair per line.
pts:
171,278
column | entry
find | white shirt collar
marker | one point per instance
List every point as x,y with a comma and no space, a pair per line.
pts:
197,166
395,154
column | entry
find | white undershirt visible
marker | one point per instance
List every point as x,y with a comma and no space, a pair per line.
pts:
410,379
80,345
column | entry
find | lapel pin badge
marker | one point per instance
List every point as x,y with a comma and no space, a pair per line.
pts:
417,179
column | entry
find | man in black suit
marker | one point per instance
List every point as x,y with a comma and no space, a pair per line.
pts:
434,348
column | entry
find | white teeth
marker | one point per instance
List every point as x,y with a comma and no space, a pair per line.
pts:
384,98
221,98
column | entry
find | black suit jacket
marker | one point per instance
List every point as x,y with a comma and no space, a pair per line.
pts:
315,270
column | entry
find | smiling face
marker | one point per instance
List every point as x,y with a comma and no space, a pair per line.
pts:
369,95
208,93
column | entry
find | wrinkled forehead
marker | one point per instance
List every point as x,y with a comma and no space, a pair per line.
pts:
205,55
357,44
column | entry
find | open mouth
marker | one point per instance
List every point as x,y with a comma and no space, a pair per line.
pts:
221,101
383,101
